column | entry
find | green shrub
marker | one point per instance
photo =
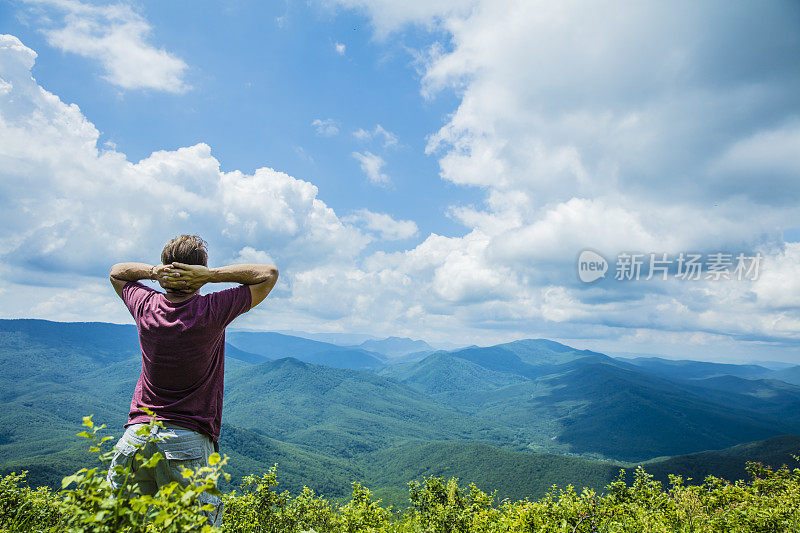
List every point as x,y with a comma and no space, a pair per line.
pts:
362,513
769,503
89,504
23,509
440,506
260,508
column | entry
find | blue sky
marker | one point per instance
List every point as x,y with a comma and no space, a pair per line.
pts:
430,169
260,73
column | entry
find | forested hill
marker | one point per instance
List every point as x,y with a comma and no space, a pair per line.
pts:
333,414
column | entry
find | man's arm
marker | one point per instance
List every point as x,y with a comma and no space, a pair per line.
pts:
260,278
122,273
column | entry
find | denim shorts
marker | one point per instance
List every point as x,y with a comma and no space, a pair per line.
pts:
179,447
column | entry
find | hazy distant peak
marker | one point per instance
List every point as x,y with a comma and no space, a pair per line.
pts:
552,346
396,346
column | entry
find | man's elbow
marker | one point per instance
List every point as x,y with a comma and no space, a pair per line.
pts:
271,275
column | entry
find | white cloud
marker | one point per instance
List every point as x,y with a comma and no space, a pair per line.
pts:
563,105
248,254
389,138
387,227
620,130
118,38
67,206
371,165
779,287
340,48
389,15
326,128
616,130
69,209
69,305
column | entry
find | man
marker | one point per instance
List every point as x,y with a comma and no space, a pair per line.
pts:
182,338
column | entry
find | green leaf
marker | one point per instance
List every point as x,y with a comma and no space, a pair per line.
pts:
87,421
153,461
213,459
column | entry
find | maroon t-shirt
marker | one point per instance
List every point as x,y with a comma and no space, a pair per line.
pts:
183,355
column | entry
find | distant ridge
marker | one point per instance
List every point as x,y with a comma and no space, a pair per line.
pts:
687,369
591,403
272,346
107,341
542,344
340,339
396,346
235,353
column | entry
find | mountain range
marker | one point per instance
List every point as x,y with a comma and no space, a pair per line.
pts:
517,417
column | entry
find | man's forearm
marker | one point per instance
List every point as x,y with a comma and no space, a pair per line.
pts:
132,271
244,274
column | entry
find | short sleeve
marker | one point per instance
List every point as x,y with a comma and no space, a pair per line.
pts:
230,303
134,294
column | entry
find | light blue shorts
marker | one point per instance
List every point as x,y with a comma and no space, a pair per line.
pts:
179,447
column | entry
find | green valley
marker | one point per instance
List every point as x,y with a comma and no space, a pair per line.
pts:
516,418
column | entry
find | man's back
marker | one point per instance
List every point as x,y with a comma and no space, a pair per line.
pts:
182,336
183,347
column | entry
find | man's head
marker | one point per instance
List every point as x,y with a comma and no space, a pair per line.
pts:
187,249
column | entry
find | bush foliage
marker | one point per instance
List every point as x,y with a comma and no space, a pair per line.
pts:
768,502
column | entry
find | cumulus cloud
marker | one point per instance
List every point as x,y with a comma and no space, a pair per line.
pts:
118,38
371,165
326,128
250,255
68,207
387,227
340,48
634,129
544,115
650,128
